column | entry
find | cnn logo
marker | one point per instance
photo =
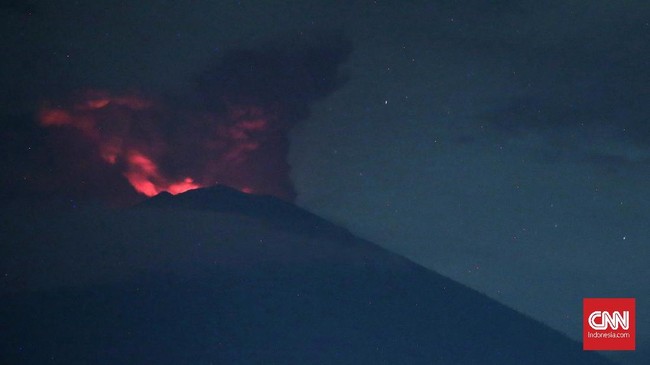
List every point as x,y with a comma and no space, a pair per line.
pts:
608,324
601,320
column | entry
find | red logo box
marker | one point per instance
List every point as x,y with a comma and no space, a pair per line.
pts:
608,324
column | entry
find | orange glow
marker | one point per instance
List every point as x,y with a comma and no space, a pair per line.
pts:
96,99
133,102
250,123
183,186
55,117
143,175
99,111
127,132
98,103
110,153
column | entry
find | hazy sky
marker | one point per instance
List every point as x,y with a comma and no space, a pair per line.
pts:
505,145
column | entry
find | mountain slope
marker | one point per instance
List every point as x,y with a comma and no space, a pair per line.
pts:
200,279
278,213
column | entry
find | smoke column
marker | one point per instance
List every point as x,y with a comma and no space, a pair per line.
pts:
232,130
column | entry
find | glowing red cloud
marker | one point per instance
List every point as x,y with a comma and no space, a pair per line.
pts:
54,116
145,178
126,132
230,128
140,170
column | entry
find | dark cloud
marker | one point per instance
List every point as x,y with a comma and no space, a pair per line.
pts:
231,130
591,90
45,165
294,72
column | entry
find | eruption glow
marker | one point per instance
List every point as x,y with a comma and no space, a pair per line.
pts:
143,175
232,129
124,129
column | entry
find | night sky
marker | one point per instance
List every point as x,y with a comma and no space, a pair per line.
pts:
505,144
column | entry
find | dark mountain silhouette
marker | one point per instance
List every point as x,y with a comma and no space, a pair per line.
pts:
214,276
277,212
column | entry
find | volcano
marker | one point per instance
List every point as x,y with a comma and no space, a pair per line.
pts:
217,276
